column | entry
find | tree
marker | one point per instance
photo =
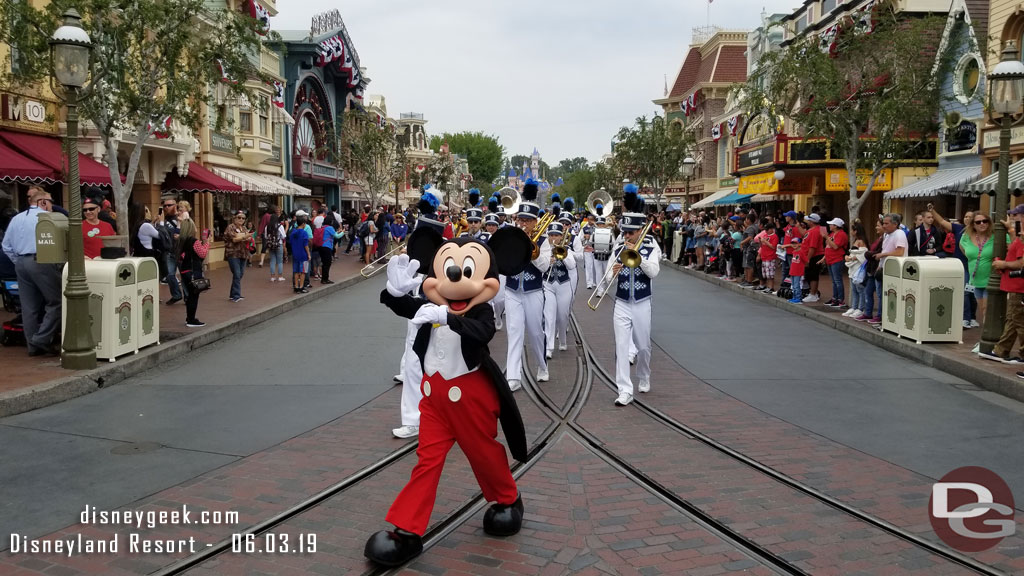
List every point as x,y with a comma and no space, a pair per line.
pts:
483,152
567,167
371,155
872,93
651,153
441,173
152,60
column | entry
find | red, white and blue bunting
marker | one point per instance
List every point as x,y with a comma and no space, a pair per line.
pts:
161,130
257,11
689,104
333,50
278,98
734,124
224,77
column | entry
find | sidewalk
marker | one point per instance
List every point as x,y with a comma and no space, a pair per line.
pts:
31,383
952,358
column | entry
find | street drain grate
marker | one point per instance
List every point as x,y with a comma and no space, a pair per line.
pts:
135,448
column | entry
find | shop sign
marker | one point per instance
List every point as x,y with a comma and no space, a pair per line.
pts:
837,180
991,138
221,142
756,157
963,136
727,182
25,112
766,183
808,152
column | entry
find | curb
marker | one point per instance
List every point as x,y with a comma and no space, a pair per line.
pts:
930,355
111,373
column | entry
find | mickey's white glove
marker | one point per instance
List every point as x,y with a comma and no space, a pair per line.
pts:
402,274
431,314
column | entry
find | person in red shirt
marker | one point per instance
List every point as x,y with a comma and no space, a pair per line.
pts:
767,241
815,241
92,227
836,244
1013,286
798,264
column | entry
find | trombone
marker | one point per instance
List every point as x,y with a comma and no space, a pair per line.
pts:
372,268
628,257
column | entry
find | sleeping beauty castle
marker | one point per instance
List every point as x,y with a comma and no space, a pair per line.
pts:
531,170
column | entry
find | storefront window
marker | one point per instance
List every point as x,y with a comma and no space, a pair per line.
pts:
224,205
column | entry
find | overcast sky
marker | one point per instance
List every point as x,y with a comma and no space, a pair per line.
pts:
558,75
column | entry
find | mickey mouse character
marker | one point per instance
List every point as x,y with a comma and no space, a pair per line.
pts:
464,390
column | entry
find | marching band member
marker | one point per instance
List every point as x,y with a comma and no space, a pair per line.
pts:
601,241
587,235
524,298
474,215
633,290
575,244
491,225
557,291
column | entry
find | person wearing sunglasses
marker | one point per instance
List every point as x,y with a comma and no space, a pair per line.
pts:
93,229
978,246
236,252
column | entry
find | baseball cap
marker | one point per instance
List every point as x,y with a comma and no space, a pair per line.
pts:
735,218
836,222
813,218
790,214
1018,209
301,213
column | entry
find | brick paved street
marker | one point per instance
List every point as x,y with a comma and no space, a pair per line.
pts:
584,516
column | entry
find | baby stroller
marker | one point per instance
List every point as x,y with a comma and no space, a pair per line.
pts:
13,331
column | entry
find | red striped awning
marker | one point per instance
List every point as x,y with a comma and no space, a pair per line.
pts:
199,179
15,167
49,151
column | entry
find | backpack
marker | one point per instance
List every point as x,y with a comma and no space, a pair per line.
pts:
318,237
272,239
364,230
165,239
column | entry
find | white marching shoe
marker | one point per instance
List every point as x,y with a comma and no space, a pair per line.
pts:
498,324
406,432
548,354
563,346
632,359
542,375
514,385
623,399
644,386
399,378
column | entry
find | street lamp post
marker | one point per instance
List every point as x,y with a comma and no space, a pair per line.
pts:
687,171
69,51
1007,96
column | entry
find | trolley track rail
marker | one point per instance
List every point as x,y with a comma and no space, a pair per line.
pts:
563,421
692,433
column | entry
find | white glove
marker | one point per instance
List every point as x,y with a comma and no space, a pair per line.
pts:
431,314
402,274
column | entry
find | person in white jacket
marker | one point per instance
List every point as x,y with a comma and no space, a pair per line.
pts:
856,263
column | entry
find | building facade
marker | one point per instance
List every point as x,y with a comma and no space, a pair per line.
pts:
698,99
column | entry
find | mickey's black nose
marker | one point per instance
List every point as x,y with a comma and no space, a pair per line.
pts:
454,273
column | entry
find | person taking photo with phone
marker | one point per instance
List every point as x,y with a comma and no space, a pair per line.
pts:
1012,284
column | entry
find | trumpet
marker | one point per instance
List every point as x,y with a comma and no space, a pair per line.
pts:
372,268
542,225
628,257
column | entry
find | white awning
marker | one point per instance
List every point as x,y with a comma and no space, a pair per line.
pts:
945,181
256,183
296,189
987,185
710,200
